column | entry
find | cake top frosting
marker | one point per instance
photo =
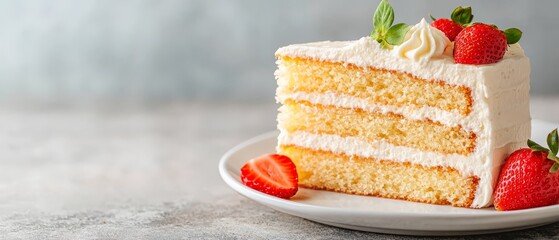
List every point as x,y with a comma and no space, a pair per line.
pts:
456,39
367,52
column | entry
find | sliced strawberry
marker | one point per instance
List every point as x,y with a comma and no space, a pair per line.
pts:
273,174
450,28
529,177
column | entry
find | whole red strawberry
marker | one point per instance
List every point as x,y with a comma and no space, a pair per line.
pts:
475,43
460,17
273,174
480,44
450,28
528,178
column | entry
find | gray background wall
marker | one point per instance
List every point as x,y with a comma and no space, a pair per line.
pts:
212,49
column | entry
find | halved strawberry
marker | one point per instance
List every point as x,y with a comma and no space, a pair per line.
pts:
273,174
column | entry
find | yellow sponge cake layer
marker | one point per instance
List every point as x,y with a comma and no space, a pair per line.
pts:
380,86
424,135
367,176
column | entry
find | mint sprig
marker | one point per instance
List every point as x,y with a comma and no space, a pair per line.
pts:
383,31
553,144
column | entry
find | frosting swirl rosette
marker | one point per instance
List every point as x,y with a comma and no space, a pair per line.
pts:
422,42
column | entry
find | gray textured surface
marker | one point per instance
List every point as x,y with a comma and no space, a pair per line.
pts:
126,172
193,49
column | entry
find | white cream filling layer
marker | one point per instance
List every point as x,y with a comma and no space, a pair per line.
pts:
382,150
509,115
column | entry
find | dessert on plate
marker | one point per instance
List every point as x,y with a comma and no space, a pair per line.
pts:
425,113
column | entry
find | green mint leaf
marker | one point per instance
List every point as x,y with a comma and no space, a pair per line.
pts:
384,17
552,141
536,147
462,15
513,35
554,168
397,33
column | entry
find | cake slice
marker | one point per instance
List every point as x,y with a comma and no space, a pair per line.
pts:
401,122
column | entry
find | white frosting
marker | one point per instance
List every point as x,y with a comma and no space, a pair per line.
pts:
450,118
422,42
467,165
383,150
500,113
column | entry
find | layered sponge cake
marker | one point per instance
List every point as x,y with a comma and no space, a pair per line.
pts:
362,119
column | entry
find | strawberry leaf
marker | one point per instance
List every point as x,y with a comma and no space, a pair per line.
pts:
513,35
536,147
552,141
397,33
554,168
553,157
432,18
462,15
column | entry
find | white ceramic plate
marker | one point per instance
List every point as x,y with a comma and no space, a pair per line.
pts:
379,214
